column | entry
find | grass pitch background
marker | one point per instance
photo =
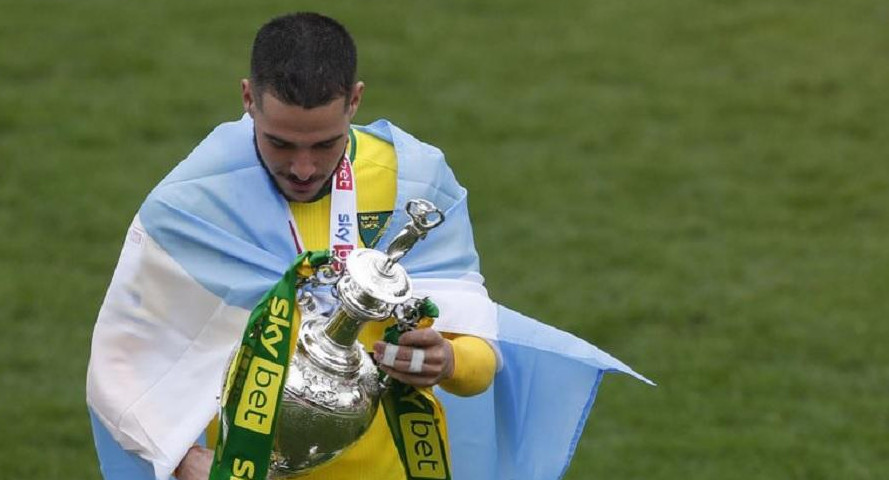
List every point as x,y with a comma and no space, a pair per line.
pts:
697,187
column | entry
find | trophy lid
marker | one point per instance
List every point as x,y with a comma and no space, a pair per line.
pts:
367,269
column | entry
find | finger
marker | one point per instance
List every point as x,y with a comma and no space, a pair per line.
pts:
418,358
409,378
435,355
438,362
420,366
386,353
424,337
424,370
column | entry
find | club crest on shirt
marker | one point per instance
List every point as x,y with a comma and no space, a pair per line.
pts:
371,226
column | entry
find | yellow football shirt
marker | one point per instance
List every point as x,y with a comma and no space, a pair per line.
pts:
374,455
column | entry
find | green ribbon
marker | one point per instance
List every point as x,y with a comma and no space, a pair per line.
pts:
255,381
415,419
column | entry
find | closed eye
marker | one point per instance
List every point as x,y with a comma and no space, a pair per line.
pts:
278,143
326,145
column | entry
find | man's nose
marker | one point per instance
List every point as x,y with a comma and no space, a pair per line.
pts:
302,165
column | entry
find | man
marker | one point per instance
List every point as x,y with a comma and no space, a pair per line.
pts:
224,225
299,102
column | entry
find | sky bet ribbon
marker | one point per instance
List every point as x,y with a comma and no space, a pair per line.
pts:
416,419
252,392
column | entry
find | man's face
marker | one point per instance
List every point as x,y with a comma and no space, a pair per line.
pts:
301,147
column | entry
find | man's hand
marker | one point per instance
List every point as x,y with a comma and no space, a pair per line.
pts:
423,358
195,465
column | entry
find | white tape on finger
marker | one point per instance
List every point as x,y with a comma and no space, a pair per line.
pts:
417,360
389,355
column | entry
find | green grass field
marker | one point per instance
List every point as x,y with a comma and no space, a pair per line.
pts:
694,186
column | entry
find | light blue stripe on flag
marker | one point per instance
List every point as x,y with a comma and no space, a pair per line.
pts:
526,426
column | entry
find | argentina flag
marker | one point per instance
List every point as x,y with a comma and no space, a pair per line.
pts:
213,237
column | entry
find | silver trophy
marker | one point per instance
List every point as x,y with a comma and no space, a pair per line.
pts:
332,389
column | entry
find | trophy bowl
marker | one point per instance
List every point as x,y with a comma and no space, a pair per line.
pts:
324,407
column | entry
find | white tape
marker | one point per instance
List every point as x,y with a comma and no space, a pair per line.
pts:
417,360
389,355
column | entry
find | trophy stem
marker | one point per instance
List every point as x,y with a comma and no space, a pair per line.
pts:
343,329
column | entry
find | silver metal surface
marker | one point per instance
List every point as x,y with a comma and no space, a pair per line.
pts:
330,399
332,389
424,217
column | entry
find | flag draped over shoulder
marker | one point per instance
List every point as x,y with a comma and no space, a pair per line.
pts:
526,426
213,237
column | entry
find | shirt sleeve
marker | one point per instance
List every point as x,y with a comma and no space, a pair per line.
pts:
474,365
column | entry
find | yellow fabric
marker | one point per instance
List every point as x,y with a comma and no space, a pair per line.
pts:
374,456
474,366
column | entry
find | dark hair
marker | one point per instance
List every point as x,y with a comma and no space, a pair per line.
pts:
303,59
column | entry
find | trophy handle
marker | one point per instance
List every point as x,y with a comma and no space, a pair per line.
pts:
424,217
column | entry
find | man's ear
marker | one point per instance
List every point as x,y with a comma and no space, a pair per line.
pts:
247,97
355,98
